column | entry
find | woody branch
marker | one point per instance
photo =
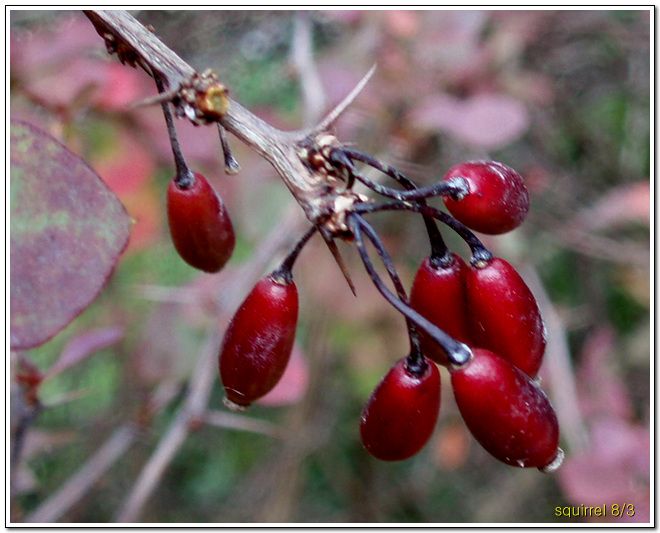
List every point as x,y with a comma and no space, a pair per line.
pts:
203,99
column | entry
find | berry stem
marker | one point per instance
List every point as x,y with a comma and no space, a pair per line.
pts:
284,273
184,176
454,188
232,166
457,352
415,350
382,167
339,158
416,363
479,252
439,250
440,254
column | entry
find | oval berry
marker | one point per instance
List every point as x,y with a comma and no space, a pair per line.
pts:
507,412
505,317
497,200
439,294
400,416
200,226
258,341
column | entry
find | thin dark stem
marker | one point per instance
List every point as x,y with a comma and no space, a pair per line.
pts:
184,176
231,164
389,170
454,188
284,272
479,251
440,254
457,352
439,250
385,257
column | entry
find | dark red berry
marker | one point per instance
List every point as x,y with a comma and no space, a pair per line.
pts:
497,200
504,315
258,341
439,295
200,226
507,412
401,414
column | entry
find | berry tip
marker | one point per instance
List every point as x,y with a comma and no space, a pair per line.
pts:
234,407
554,465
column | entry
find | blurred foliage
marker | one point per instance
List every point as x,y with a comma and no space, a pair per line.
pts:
561,96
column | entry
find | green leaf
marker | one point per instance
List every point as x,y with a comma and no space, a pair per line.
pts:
67,232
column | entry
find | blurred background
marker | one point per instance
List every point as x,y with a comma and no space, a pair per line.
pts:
561,96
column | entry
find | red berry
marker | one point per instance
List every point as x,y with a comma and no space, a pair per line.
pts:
401,414
258,341
200,226
497,200
504,315
507,412
438,294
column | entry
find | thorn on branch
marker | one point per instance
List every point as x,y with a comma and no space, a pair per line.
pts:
158,99
332,117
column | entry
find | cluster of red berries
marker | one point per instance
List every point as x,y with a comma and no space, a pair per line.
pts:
480,320
487,306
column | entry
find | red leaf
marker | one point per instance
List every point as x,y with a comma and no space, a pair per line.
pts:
65,38
602,391
488,121
83,346
127,166
121,87
615,469
56,65
625,204
67,231
403,24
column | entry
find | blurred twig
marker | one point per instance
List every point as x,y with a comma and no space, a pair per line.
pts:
302,57
79,484
308,428
584,242
161,293
195,403
26,413
222,419
558,367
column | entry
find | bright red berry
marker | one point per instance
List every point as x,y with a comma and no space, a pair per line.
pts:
401,414
505,317
497,200
259,340
200,226
507,412
439,295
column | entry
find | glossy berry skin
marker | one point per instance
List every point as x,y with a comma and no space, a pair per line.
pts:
506,411
400,416
259,340
497,200
504,315
200,226
439,295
